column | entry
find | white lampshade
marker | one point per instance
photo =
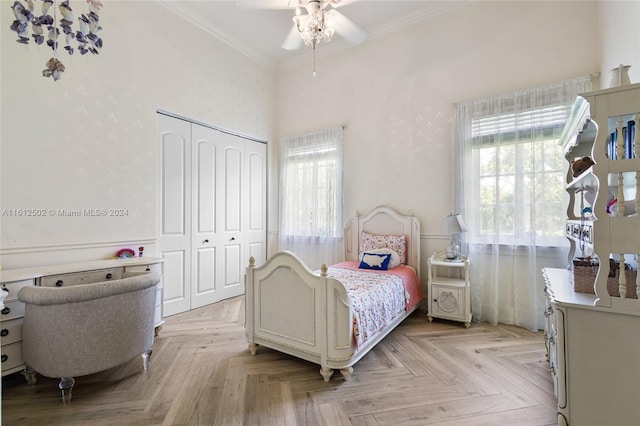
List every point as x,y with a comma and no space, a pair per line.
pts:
453,224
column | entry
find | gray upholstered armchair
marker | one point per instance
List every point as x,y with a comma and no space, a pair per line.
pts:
83,329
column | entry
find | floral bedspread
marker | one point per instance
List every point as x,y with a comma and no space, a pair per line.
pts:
376,299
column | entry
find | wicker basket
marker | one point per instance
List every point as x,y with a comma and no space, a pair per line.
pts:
612,282
584,274
585,271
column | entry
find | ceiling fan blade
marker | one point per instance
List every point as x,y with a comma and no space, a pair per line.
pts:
346,27
339,3
266,4
293,40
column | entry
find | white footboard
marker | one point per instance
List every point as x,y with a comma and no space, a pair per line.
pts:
293,310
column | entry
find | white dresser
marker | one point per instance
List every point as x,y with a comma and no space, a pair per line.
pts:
12,280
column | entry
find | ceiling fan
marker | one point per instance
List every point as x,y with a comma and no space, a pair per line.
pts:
314,20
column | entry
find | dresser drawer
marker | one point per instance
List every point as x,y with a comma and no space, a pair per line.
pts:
77,278
11,331
11,356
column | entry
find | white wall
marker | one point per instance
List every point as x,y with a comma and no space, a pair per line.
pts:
619,22
394,94
89,139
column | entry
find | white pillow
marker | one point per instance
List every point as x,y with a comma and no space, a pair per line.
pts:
394,262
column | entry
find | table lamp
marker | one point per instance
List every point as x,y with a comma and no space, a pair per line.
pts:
453,224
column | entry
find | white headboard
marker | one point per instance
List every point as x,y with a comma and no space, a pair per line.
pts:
384,221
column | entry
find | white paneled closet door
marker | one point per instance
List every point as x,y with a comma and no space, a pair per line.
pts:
174,234
205,237
230,281
213,203
255,216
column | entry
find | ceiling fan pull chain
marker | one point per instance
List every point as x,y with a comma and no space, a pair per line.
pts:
314,60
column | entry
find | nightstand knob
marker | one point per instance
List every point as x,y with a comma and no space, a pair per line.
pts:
109,276
59,283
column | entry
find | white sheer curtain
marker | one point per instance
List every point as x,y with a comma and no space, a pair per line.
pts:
311,201
509,188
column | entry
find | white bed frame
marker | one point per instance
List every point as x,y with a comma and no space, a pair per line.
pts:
293,310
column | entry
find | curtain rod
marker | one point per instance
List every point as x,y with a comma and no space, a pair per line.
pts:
591,75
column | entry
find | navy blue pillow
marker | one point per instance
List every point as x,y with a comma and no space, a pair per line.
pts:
375,261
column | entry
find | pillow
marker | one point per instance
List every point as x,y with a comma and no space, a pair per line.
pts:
394,262
396,243
375,261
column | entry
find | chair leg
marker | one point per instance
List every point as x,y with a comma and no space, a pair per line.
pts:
29,375
146,356
66,385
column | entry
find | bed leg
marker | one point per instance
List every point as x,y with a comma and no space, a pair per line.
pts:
346,373
326,373
253,348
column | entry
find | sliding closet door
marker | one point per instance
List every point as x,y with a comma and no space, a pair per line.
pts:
174,211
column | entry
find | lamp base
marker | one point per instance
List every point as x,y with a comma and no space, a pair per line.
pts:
452,251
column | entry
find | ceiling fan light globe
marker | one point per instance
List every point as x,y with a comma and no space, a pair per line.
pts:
328,33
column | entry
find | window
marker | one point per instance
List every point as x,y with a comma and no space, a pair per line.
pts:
311,195
509,187
520,172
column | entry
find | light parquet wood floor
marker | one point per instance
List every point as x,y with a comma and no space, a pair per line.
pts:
201,373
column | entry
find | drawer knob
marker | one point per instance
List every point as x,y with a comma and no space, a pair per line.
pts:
4,332
59,283
148,269
4,357
109,276
5,289
5,310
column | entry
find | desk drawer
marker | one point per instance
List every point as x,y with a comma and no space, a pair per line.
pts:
13,309
86,277
11,356
13,289
11,331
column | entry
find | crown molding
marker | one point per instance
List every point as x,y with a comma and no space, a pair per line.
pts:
305,54
186,14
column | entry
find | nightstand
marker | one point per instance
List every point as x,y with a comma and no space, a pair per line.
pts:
448,289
